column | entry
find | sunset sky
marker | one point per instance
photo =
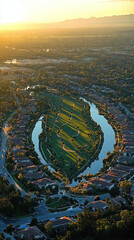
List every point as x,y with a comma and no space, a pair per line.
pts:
59,10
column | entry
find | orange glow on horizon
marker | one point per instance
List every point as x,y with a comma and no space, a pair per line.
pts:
44,11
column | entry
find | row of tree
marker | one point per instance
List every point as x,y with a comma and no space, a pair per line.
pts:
11,201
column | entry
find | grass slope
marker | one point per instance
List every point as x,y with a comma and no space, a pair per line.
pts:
69,137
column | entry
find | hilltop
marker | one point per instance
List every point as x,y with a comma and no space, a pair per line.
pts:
109,21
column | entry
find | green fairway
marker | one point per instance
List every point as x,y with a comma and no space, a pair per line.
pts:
70,137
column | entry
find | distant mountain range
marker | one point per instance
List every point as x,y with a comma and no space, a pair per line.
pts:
114,21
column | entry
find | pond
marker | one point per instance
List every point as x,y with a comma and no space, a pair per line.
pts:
108,144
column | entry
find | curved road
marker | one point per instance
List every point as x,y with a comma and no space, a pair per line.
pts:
3,150
42,212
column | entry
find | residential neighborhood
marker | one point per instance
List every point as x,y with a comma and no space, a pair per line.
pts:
67,132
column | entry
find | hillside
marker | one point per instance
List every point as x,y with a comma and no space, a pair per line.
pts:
114,21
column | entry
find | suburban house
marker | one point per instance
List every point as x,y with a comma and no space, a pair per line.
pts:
45,182
117,173
24,164
118,200
128,152
124,168
34,175
109,177
22,159
126,160
30,169
30,233
61,223
98,183
95,205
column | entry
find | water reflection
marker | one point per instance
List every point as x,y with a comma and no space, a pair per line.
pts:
108,144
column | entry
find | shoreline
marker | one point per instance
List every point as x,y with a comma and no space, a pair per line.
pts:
86,165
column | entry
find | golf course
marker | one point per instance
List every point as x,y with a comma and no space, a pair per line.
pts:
70,138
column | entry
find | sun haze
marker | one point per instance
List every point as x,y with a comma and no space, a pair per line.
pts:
58,10
11,11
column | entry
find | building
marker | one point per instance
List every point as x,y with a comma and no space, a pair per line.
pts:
118,201
95,205
36,175
117,173
22,159
45,182
30,233
61,222
98,183
126,160
30,169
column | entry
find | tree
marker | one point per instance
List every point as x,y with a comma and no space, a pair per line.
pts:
80,223
7,207
48,200
20,176
34,222
114,191
12,188
49,228
67,236
86,202
96,198
125,186
2,236
126,216
9,228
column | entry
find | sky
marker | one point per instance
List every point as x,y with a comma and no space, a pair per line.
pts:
45,11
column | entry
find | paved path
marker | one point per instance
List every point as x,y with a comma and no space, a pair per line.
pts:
126,110
4,147
43,214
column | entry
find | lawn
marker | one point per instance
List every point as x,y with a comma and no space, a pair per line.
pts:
20,184
70,137
61,203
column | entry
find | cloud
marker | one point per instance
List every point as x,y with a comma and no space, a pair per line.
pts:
115,1
120,0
